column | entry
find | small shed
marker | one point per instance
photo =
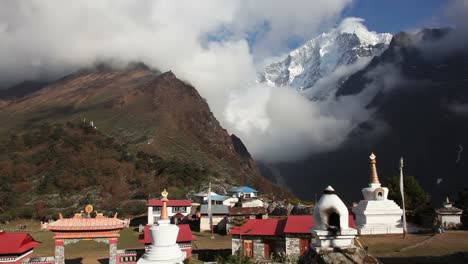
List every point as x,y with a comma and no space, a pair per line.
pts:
219,214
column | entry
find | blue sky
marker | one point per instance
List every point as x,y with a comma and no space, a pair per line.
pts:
394,16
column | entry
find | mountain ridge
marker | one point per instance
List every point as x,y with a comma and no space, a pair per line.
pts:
144,111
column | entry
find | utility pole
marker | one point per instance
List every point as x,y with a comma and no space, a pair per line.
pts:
403,197
210,214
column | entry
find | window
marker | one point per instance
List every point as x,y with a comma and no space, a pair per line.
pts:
157,209
179,209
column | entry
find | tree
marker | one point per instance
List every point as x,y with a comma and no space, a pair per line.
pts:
462,201
234,259
415,196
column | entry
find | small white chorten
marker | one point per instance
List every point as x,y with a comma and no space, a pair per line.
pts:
164,248
449,215
376,214
331,219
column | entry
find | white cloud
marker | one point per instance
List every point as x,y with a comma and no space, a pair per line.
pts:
279,124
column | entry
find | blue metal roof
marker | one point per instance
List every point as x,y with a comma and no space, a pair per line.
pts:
242,189
219,197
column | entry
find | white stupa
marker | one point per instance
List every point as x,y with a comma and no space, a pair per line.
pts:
331,219
376,214
449,216
164,248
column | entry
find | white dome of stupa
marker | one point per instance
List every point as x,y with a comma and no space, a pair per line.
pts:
330,211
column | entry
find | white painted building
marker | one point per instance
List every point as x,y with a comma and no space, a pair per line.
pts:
243,192
176,210
449,215
376,214
202,197
219,215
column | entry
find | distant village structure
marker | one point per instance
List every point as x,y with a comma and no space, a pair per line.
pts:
219,214
376,214
239,202
243,192
202,197
449,215
177,210
164,248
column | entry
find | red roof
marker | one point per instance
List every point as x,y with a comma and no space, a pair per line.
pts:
81,224
261,227
301,224
185,234
16,243
156,202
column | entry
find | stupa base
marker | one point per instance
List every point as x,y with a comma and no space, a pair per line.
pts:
163,255
329,239
379,230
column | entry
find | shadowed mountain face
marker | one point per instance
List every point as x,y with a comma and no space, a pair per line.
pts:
143,109
425,113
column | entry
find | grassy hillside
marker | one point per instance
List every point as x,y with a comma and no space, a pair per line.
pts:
61,167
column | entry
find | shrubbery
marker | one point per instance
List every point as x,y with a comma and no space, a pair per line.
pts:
67,159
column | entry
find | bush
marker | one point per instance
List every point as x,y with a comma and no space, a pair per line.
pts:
415,196
133,207
26,212
234,259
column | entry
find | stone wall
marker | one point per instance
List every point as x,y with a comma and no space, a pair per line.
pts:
292,246
236,244
258,246
259,249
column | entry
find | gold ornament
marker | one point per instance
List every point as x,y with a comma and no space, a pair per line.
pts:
88,209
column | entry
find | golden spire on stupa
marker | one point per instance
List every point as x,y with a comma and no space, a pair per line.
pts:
164,215
374,177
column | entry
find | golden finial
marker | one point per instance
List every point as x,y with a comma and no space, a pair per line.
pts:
374,177
60,216
164,195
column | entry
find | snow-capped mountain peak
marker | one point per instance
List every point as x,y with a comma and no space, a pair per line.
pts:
321,56
353,25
